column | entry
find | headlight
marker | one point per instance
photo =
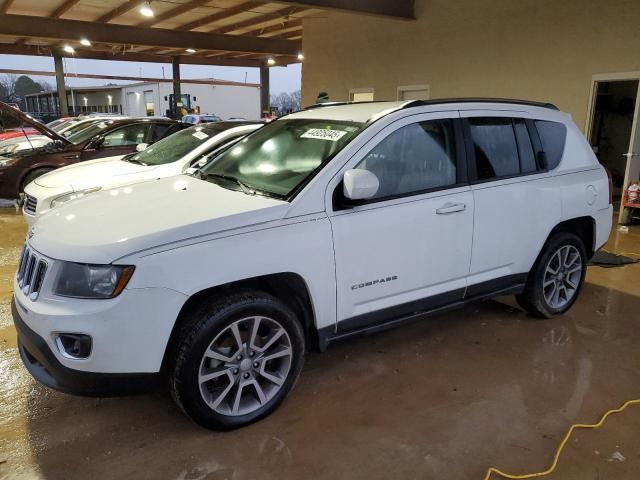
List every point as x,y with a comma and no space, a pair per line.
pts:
80,280
56,202
9,149
7,162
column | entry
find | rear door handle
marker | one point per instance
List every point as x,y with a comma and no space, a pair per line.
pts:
451,208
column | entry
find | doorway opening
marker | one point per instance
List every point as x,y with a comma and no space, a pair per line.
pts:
611,127
613,135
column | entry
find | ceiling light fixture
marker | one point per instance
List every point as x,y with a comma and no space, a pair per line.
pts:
300,56
145,10
85,42
271,61
190,50
68,49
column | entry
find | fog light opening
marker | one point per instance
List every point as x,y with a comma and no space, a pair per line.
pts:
73,345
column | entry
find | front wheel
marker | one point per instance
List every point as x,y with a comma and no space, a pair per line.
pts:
237,359
556,278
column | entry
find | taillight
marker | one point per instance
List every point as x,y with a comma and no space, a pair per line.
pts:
610,185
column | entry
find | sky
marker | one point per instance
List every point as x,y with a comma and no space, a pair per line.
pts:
283,79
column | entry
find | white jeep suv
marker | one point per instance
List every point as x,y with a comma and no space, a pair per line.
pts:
332,222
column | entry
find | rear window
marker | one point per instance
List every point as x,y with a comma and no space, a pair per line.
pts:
553,136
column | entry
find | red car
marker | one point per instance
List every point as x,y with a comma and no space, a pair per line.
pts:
107,138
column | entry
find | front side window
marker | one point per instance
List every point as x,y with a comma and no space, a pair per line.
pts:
495,147
280,156
414,158
129,135
87,133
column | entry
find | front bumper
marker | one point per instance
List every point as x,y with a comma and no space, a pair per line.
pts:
43,365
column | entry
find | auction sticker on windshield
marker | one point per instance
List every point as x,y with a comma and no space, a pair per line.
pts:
200,135
324,134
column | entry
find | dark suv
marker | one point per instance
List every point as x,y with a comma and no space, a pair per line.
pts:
108,138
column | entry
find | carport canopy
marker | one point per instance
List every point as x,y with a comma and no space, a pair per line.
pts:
200,32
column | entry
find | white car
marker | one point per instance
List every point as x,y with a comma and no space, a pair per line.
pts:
170,156
325,224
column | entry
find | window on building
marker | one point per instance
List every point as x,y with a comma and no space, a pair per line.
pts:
414,158
553,136
495,147
361,95
148,102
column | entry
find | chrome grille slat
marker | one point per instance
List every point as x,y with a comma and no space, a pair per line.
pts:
30,204
31,273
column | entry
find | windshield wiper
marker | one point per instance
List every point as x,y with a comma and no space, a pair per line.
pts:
245,188
134,160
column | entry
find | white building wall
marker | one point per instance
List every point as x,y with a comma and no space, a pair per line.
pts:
95,99
223,100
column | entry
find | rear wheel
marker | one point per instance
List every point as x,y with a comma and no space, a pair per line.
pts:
237,359
557,277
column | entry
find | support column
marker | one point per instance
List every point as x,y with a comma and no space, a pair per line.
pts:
265,100
177,92
62,91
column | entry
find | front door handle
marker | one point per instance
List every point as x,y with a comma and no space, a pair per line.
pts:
451,208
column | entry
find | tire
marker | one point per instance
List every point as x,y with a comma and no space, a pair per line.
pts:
31,176
236,367
547,294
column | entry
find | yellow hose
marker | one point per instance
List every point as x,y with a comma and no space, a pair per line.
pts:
553,466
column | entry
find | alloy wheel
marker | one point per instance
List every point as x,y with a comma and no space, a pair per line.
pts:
245,366
562,276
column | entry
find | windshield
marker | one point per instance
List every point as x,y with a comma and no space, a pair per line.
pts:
281,155
176,146
83,134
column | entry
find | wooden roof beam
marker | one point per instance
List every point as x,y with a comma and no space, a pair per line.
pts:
173,12
130,56
283,13
222,15
63,8
287,25
71,30
6,5
399,9
119,10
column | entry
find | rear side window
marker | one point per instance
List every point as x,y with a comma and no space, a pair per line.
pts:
553,136
495,147
525,147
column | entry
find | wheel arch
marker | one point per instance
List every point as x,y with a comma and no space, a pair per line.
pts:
31,169
288,287
584,227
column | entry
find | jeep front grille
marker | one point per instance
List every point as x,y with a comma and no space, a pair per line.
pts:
31,272
30,204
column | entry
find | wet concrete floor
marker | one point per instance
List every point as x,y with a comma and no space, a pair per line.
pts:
443,398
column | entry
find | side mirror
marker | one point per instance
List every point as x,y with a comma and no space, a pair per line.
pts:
142,147
360,184
96,143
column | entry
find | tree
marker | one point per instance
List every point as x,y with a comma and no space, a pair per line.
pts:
8,89
286,102
13,89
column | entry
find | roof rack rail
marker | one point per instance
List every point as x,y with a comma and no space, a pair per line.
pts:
509,101
335,104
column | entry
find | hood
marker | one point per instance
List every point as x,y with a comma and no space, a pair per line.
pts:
93,173
13,118
108,225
